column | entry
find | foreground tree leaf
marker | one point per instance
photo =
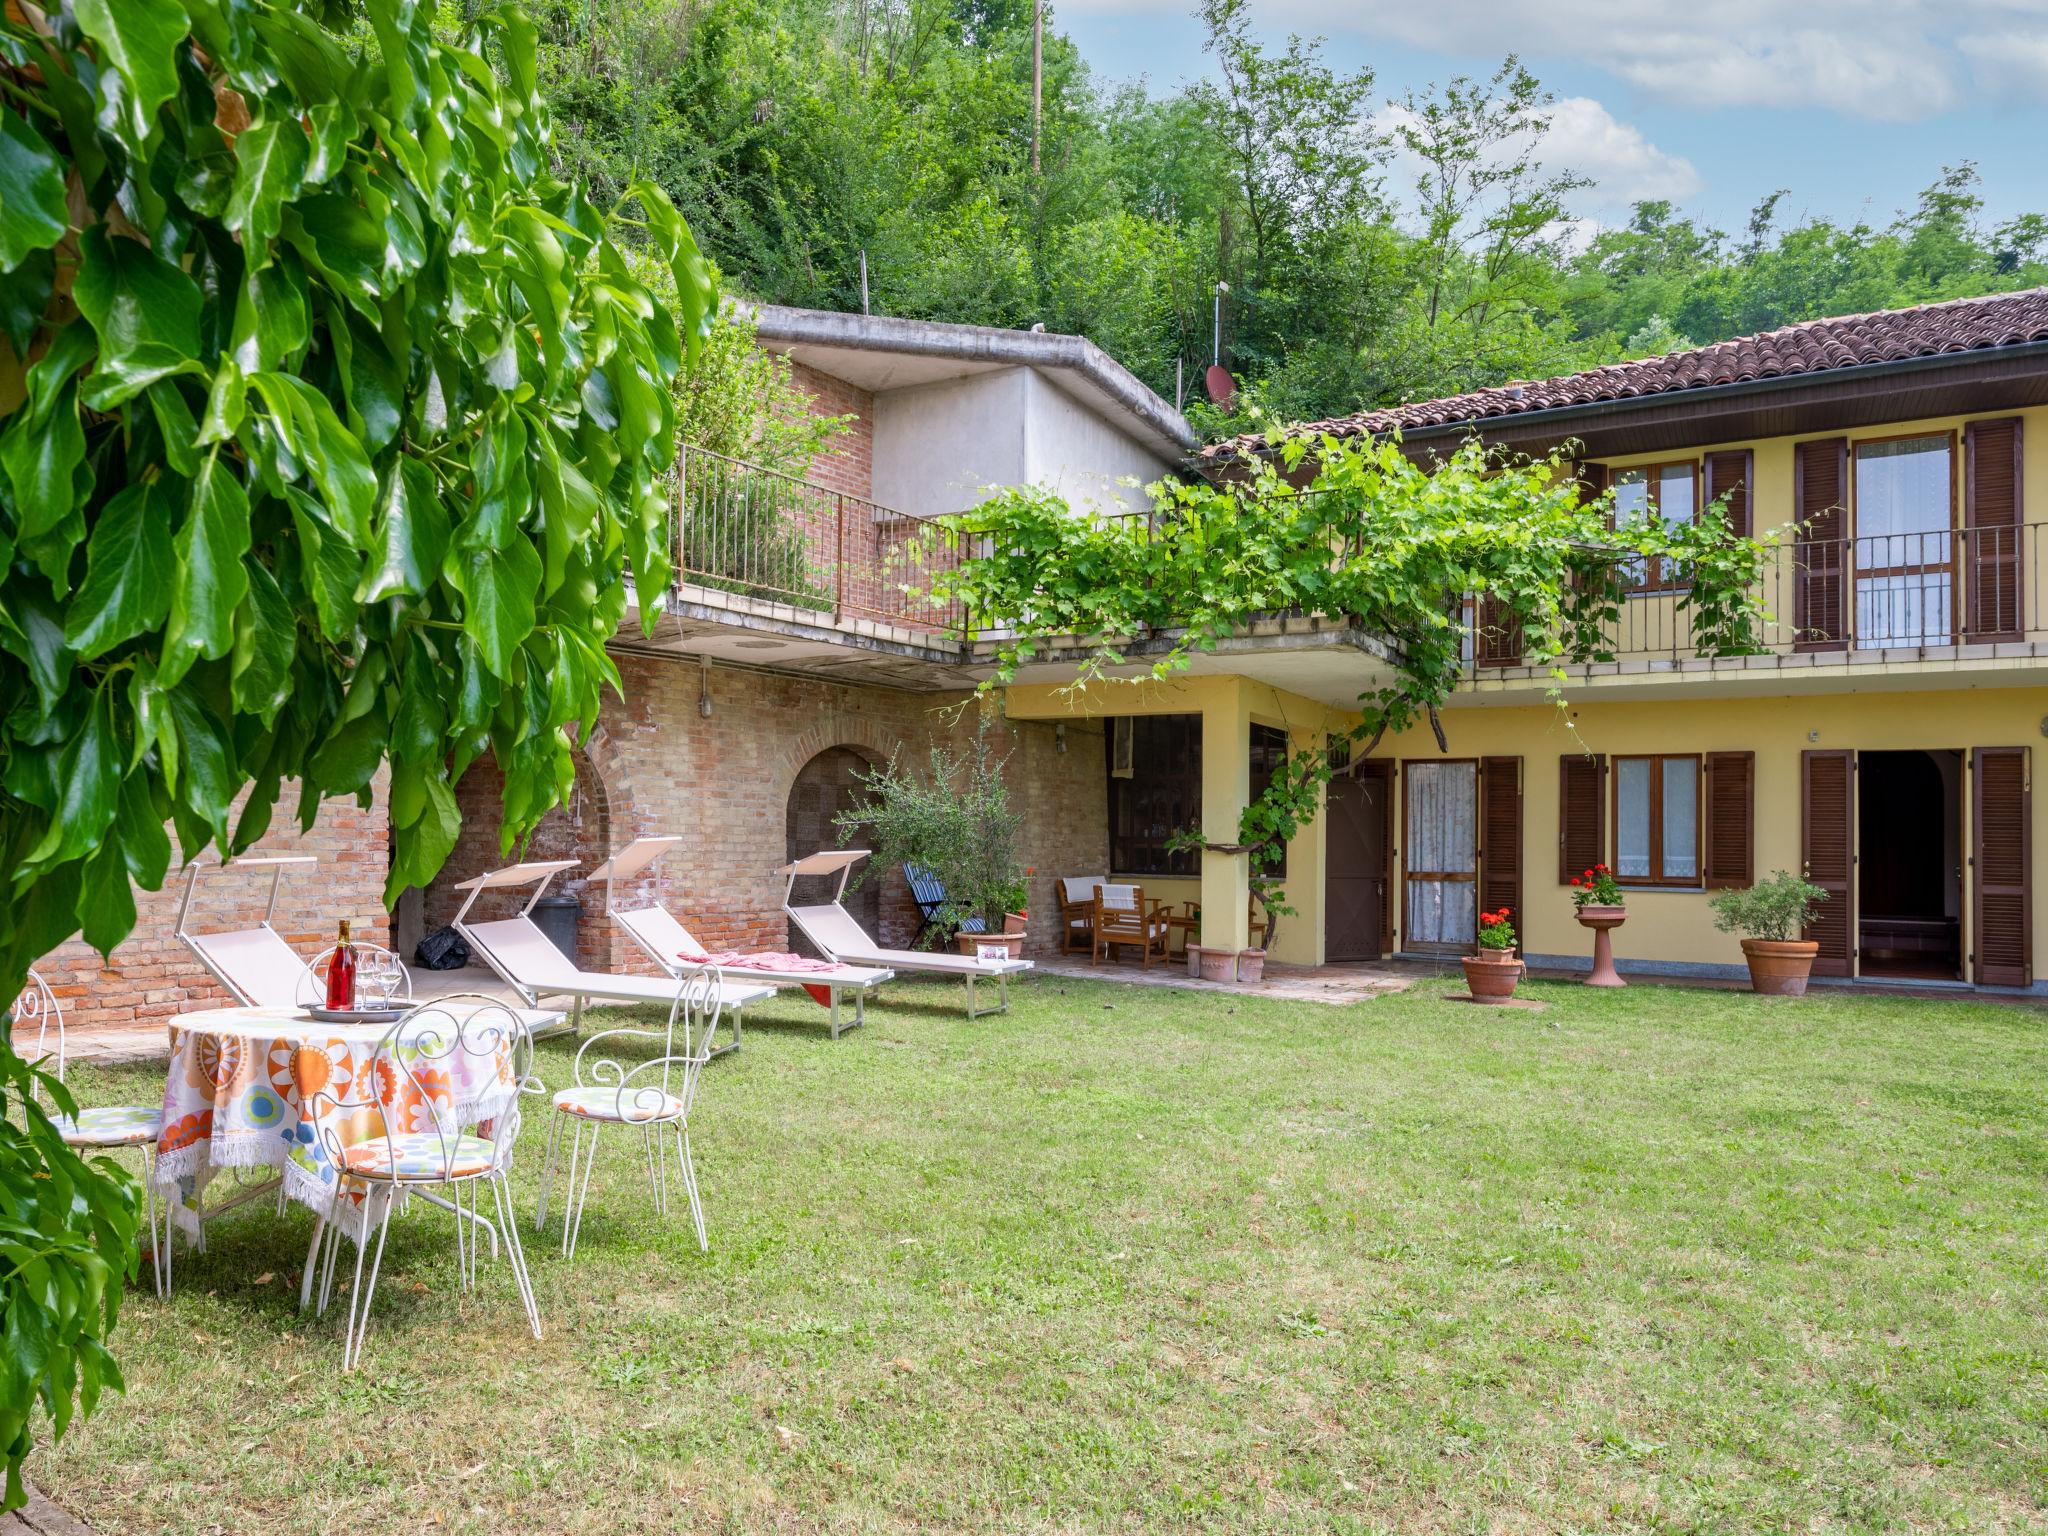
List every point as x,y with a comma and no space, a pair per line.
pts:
297,241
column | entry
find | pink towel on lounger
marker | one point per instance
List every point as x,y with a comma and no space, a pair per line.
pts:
733,960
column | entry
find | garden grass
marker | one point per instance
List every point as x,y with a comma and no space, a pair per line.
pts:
1132,1259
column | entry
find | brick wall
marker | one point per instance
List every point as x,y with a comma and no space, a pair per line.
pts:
723,784
848,464
151,975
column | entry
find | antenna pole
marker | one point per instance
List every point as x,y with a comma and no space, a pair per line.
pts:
863,281
1037,77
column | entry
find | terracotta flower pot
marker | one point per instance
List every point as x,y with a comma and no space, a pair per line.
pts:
1216,964
1602,920
1194,954
1492,974
1251,965
1012,944
1779,967
1013,922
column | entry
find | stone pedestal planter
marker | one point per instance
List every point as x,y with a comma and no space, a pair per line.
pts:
1603,920
1779,967
1492,975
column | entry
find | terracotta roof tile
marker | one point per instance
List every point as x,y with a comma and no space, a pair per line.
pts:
1813,346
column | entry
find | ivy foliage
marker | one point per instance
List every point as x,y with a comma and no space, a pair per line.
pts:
1340,528
331,426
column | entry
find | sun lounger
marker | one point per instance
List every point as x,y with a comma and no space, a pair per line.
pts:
833,929
517,950
669,944
256,965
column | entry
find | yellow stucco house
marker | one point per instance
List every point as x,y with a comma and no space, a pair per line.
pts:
1882,742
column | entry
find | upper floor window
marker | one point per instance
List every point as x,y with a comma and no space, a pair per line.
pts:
1655,493
1904,506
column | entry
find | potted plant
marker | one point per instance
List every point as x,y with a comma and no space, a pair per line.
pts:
954,820
1493,972
1771,914
1597,895
1019,915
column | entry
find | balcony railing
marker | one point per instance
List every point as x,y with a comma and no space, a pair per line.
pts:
760,534
1896,592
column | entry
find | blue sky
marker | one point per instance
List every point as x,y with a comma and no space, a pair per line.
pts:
1854,105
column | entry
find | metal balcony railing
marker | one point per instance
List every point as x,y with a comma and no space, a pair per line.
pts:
1883,592
760,534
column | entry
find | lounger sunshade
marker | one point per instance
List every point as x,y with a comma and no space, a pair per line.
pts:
655,929
833,929
517,950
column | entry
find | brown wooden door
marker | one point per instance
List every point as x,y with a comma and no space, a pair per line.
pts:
1500,837
1828,814
1355,868
2001,855
1992,530
1820,492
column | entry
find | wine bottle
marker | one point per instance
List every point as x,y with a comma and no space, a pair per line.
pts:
341,973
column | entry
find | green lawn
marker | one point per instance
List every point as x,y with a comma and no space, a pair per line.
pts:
1133,1259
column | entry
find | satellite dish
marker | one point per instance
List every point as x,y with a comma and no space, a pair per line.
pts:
1221,385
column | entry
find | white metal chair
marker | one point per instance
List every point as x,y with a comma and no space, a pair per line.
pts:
655,1096
667,942
840,937
112,1128
383,1154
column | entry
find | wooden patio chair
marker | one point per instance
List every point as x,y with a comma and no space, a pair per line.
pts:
929,892
1077,912
1121,915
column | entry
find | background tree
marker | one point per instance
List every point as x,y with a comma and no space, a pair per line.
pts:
331,422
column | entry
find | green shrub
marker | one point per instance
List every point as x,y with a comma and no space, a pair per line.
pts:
1776,908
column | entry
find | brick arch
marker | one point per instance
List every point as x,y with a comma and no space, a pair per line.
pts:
894,914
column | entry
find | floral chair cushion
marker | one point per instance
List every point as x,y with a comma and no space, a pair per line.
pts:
121,1125
420,1155
633,1106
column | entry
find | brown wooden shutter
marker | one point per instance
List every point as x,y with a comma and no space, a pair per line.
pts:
2001,854
1592,480
1730,819
1581,814
1828,815
1992,525
1820,492
1500,836
1731,473
1498,642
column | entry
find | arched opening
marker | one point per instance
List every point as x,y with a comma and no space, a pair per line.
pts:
827,785
578,829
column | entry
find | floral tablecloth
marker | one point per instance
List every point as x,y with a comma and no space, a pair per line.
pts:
241,1081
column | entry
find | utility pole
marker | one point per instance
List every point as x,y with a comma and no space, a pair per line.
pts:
1037,76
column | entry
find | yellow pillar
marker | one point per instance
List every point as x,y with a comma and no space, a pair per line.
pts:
1301,936
1226,791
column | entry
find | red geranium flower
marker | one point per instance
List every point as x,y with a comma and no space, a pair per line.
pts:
1577,881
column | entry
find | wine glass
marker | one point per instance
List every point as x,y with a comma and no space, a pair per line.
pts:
377,979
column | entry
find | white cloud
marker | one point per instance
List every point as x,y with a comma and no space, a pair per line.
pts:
1884,60
1626,167
1587,140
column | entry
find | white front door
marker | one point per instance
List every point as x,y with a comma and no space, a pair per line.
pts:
1442,858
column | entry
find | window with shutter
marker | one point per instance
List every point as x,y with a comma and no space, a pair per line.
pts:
1500,836
1657,820
1581,814
1991,529
1728,474
1820,490
2001,915
1828,819
1730,819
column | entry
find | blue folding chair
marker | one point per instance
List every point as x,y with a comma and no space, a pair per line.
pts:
930,895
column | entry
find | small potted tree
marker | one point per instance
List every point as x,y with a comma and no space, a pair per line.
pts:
1597,895
1491,975
954,820
1771,915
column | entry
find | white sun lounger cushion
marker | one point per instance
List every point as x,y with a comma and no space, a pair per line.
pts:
257,963
833,929
526,956
667,940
